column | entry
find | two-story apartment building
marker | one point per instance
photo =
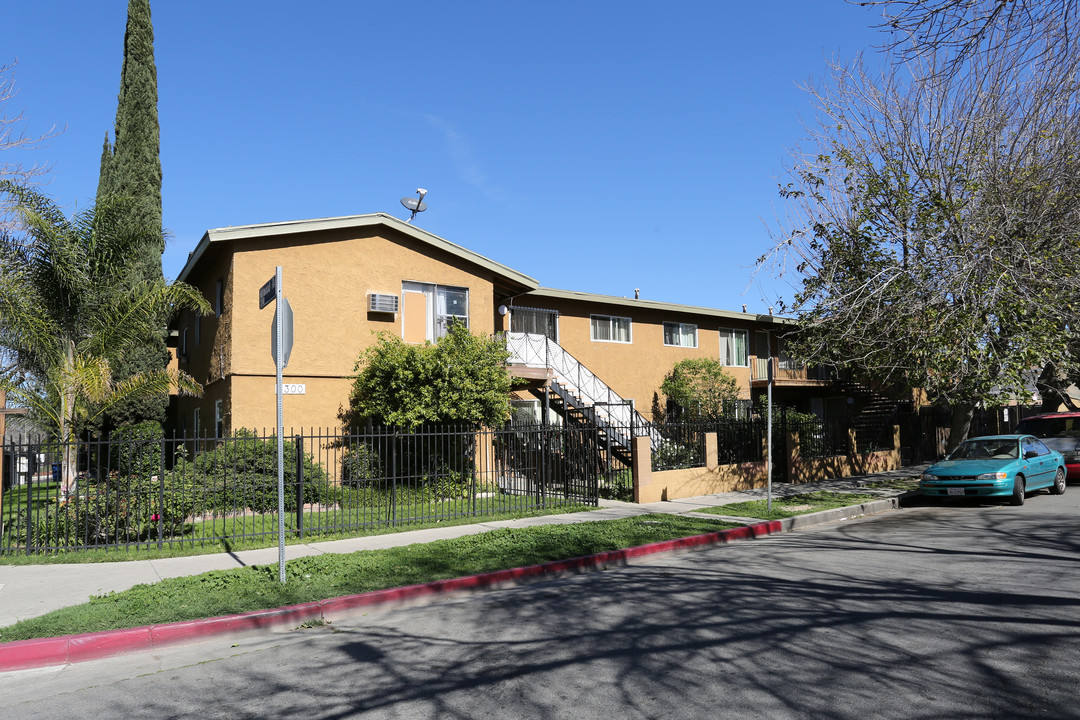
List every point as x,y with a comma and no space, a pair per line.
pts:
349,278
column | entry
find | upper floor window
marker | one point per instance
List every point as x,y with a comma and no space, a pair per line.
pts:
733,348
429,310
680,334
219,298
606,328
219,420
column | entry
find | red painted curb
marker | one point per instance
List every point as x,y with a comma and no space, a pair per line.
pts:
43,652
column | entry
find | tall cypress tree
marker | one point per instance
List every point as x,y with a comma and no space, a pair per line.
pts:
131,167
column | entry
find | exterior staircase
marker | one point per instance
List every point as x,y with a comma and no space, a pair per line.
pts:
877,411
578,394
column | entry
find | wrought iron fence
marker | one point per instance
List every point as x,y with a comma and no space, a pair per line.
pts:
682,445
819,438
182,491
874,435
738,440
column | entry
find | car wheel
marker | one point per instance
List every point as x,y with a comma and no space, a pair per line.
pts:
1058,488
1018,491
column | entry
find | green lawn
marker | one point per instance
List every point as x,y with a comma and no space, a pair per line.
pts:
200,538
325,576
791,505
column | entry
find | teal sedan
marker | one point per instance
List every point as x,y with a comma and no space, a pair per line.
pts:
1002,466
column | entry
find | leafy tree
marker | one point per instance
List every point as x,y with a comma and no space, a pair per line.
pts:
701,387
69,312
462,378
131,168
934,227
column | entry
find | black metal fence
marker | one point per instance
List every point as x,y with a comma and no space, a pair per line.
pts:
154,492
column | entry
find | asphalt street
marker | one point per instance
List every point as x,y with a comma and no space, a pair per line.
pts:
960,611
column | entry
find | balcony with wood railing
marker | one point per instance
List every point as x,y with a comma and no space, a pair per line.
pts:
787,372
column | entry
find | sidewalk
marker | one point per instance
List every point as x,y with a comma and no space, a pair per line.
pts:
30,590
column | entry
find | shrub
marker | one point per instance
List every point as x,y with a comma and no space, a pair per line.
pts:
671,455
116,509
241,473
360,465
619,486
462,378
137,449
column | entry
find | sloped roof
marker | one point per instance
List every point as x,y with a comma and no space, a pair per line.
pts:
544,292
291,227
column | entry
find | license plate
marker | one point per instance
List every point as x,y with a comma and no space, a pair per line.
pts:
956,491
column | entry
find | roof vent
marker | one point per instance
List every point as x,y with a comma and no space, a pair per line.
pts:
382,302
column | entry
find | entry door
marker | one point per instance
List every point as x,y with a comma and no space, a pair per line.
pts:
535,321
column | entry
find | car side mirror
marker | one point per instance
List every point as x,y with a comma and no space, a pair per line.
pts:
1031,454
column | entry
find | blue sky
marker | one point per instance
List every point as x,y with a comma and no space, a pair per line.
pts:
597,146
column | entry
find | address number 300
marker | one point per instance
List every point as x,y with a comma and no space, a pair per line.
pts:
293,388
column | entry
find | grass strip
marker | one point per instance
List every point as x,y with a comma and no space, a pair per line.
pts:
234,530
792,505
223,592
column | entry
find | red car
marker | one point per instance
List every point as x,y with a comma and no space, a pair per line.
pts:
1060,431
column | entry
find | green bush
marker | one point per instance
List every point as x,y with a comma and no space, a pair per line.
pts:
671,455
116,509
241,473
137,449
619,486
360,465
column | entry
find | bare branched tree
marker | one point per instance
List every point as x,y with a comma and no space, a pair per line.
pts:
934,226
1025,30
13,136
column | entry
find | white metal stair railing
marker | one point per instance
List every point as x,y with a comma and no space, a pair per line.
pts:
609,408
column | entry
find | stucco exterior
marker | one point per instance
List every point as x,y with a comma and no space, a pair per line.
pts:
328,273
331,265
636,369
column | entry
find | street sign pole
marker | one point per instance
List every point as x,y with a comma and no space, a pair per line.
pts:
279,363
768,451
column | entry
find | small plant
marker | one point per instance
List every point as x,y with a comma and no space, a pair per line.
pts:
618,486
241,473
673,456
360,465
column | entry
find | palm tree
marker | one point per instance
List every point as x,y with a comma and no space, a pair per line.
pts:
68,312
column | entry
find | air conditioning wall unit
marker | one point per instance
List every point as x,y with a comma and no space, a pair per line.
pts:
382,302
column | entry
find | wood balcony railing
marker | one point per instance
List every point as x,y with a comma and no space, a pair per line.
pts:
790,371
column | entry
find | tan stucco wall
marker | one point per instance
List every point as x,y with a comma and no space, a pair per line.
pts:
636,370
650,486
327,277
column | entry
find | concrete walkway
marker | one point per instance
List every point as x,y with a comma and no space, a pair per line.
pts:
30,590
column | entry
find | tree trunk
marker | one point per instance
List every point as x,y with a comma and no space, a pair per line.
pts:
961,424
1052,385
68,419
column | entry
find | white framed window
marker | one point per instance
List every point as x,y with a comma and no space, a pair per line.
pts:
219,298
733,348
195,423
607,328
430,310
680,334
219,420
531,411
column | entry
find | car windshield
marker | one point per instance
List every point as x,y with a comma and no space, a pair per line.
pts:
1050,427
998,449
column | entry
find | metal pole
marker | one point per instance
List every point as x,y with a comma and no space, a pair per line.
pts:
768,451
280,430
299,442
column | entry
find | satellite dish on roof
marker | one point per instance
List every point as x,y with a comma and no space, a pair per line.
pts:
416,205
